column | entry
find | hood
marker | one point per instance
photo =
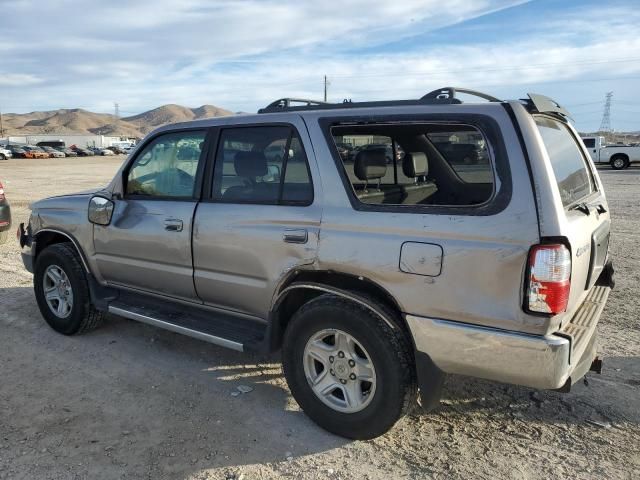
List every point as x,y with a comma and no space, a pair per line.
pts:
66,201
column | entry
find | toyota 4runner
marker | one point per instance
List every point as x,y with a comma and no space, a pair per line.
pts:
456,238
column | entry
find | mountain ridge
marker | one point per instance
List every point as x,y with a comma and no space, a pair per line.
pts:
84,122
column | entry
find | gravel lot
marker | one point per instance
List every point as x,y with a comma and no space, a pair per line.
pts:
131,401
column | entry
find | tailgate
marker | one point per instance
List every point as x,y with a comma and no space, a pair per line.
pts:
582,209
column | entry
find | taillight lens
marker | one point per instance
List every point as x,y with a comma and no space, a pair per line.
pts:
549,279
1,191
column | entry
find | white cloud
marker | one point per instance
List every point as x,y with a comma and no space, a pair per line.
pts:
241,54
18,80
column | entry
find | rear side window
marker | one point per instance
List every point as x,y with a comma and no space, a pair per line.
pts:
575,180
589,142
262,165
411,164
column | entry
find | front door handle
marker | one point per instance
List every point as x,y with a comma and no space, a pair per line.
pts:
173,225
295,236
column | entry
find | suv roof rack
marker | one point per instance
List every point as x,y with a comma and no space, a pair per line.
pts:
445,95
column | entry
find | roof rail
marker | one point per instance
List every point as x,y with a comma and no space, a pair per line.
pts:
450,93
446,95
285,103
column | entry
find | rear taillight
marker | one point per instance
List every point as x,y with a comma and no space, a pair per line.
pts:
1,191
549,279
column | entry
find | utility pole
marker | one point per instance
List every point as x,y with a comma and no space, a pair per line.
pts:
326,84
605,125
116,108
1,128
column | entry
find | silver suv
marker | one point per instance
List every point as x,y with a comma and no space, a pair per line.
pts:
459,238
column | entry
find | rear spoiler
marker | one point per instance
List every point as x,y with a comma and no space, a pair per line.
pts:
543,104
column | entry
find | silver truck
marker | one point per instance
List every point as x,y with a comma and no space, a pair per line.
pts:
374,274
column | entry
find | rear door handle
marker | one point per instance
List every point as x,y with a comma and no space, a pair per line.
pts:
173,225
295,236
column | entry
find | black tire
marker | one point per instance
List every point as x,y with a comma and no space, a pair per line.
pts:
3,156
389,351
83,317
619,162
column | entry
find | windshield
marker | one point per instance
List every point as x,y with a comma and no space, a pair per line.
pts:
574,178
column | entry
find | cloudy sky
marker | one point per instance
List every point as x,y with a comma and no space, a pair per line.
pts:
242,54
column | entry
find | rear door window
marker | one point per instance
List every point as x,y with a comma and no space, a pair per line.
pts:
262,165
575,180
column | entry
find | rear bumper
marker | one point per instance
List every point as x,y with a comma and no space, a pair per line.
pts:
545,362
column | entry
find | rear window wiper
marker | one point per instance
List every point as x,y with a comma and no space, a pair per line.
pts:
582,206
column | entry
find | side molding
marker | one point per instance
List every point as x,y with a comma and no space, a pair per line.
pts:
334,291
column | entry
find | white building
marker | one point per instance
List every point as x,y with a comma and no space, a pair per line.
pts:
78,140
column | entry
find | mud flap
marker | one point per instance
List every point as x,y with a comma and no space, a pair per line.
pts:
430,381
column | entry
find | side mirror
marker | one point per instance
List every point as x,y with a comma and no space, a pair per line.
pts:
100,210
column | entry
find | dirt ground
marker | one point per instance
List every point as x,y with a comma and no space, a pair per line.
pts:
132,401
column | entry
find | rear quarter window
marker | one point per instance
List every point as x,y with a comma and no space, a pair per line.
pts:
575,180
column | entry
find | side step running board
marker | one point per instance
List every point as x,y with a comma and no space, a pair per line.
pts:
223,342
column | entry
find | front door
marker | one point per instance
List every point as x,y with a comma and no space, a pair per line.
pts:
261,220
147,245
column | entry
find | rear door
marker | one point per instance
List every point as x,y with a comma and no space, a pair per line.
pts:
147,245
584,206
261,219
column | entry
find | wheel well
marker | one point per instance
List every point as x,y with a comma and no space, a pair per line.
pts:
624,156
47,238
295,298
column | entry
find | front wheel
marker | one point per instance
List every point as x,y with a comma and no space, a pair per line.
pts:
62,291
348,369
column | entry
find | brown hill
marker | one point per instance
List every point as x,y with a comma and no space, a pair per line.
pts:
172,113
77,120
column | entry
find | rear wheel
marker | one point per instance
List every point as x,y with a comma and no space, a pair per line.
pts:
619,162
348,369
62,291
3,156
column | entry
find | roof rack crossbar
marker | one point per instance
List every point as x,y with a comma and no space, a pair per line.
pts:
450,93
285,103
441,96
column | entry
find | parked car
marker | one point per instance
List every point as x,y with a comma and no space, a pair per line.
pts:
100,151
31,151
5,216
68,152
17,151
105,152
53,153
618,156
117,150
374,279
5,153
345,150
82,152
